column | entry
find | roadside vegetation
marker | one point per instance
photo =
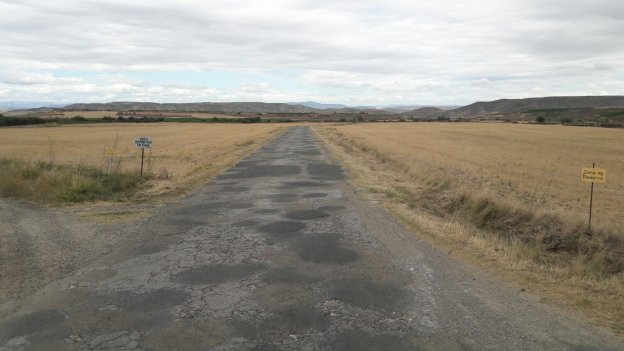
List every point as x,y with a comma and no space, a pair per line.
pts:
508,197
56,184
22,121
68,164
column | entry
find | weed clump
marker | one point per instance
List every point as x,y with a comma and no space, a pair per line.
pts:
48,183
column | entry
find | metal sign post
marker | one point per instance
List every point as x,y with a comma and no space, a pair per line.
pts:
110,152
143,143
593,175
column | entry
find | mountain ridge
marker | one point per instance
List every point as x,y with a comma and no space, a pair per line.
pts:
503,106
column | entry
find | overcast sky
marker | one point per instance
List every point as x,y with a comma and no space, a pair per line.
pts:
353,52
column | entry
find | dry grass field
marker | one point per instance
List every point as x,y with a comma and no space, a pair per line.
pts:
100,114
538,166
508,197
89,114
182,154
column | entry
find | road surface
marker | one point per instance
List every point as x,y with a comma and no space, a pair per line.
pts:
279,254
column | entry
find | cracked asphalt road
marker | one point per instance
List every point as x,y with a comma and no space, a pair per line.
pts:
279,254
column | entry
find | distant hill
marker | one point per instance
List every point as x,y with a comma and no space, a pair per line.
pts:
227,107
507,106
319,106
18,105
405,108
425,112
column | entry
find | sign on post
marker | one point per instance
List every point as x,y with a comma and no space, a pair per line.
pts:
593,175
110,152
143,143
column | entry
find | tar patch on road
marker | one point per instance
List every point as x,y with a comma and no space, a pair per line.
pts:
303,184
219,273
331,208
305,215
284,197
312,195
267,210
287,275
366,293
282,230
240,206
358,340
30,323
324,248
325,171
246,223
264,171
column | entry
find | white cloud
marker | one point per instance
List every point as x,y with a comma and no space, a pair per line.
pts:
360,52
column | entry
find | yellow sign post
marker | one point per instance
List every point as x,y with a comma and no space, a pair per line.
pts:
110,152
593,175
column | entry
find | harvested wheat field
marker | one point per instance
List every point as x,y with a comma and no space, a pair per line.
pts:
535,165
507,197
182,154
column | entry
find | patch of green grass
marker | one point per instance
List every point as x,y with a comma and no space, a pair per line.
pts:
48,183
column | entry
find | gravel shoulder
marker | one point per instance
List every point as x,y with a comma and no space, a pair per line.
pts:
39,245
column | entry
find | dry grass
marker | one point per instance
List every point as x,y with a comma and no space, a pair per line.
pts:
508,197
182,156
89,114
538,166
100,114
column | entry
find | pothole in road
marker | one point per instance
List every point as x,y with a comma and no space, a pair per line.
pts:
324,248
366,293
358,340
305,215
219,273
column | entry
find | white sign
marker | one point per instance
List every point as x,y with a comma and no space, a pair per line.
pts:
143,142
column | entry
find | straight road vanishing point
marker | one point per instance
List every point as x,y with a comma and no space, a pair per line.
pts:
279,254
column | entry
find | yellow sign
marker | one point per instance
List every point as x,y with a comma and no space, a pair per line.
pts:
111,151
594,175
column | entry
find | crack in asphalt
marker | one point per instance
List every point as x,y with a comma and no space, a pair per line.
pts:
274,255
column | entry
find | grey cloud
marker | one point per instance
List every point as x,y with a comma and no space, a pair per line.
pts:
376,50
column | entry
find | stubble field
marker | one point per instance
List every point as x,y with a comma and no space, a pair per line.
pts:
535,166
507,197
182,154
